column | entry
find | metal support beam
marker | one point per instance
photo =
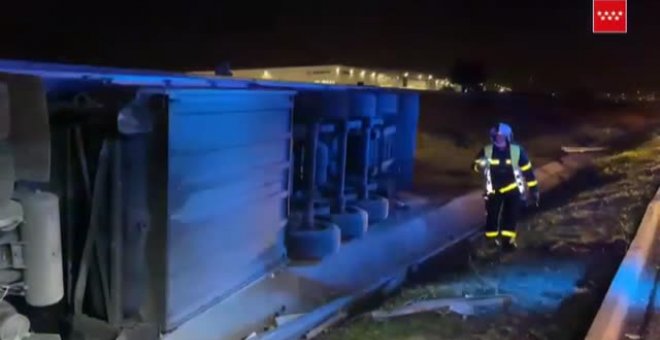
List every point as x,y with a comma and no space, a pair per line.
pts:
102,270
116,237
310,171
84,169
136,224
366,151
99,194
387,162
69,216
380,157
341,185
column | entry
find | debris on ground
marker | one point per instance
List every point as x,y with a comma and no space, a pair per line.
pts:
568,252
284,319
582,149
337,318
464,306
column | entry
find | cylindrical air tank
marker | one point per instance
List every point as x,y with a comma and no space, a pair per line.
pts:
43,248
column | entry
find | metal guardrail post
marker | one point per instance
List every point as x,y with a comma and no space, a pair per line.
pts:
632,286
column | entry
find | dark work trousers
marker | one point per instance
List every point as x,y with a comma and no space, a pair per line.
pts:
502,214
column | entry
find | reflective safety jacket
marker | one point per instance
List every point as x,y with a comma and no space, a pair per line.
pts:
505,170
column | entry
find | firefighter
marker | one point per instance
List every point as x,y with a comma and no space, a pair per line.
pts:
509,180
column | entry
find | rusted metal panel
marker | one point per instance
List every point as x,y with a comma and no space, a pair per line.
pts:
229,165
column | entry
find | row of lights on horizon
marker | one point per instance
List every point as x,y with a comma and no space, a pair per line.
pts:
363,74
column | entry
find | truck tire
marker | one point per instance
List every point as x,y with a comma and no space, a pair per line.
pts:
353,223
377,207
313,244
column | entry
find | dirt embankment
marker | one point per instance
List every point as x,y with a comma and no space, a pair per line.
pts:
454,127
569,251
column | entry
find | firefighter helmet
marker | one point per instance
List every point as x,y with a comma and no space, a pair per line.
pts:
502,129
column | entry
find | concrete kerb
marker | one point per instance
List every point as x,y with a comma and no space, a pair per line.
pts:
385,286
576,162
550,176
555,173
552,168
630,290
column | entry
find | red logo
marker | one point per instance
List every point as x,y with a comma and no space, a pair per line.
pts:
610,16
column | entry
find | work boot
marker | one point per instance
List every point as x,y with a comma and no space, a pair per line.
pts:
510,246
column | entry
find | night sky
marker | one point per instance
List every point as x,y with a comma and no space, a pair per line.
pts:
529,43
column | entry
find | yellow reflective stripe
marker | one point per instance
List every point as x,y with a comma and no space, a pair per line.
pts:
509,234
509,187
495,161
491,234
532,183
480,162
526,167
508,162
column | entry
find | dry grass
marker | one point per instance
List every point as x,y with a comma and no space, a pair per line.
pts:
601,215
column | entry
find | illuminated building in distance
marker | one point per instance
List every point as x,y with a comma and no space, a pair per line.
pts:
348,75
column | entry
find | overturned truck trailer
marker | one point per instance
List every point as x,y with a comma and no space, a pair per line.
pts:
183,201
